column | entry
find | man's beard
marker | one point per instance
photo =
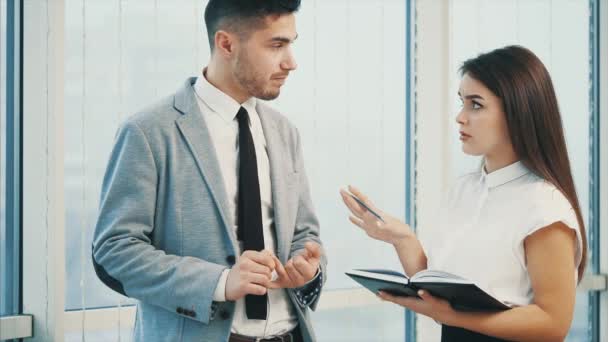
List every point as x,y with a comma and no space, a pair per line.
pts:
245,74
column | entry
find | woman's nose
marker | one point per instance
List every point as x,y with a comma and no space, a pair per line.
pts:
461,118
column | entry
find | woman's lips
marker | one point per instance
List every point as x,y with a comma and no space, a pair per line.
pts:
464,136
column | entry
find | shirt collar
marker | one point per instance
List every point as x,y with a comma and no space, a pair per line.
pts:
504,175
219,102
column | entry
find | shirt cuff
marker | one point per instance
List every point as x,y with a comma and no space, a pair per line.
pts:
220,291
313,278
309,292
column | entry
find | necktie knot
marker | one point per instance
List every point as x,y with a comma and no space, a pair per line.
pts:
243,117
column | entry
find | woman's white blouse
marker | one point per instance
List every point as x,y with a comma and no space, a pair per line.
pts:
482,225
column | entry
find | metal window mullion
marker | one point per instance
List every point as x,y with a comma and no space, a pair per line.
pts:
410,190
594,278
602,127
13,153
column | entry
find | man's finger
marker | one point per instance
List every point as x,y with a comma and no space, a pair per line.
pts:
254,267
259,279
305,268
293,273
255,289
283,280
261,258
314,250
281,272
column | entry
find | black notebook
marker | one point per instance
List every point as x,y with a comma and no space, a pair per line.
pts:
462,294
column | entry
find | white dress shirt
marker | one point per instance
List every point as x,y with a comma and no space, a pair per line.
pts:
219,111
483,224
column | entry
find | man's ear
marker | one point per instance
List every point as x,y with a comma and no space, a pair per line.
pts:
225,43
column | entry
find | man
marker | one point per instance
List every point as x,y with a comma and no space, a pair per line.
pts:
205,213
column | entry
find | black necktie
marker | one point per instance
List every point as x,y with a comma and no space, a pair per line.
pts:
250,208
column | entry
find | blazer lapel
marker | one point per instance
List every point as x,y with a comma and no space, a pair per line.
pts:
196,133
279,171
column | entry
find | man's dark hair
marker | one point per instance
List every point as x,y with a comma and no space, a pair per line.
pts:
243,16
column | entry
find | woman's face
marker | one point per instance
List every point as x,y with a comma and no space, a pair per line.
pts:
482,123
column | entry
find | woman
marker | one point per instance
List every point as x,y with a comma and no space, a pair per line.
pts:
514,227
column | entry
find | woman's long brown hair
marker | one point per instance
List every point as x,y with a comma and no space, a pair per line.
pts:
521,81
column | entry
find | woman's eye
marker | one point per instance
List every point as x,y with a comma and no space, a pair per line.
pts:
475,105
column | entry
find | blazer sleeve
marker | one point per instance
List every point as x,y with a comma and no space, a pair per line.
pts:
123,255
306,229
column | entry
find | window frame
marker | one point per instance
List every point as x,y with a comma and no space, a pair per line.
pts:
43,270
13,325
600,260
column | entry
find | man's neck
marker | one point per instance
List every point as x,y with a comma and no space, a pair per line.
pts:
223,80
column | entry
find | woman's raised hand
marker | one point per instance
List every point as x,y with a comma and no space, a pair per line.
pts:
389,229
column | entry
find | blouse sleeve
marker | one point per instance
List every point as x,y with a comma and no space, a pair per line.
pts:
552,206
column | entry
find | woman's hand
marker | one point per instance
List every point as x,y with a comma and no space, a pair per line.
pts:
391,230
436,308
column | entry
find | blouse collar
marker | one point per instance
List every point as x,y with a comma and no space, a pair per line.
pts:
504,175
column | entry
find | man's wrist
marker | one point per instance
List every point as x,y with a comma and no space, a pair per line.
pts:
220,291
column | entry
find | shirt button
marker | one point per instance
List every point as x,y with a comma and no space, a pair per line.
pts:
231,259
180,311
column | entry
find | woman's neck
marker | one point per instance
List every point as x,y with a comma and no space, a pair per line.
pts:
498,161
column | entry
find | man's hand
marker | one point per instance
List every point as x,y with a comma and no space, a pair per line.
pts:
250,275
299,270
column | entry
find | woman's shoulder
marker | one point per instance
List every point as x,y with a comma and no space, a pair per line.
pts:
547,203
541,192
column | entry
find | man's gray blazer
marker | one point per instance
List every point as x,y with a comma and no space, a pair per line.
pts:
162,235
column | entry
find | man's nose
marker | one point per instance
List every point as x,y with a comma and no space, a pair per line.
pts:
289,63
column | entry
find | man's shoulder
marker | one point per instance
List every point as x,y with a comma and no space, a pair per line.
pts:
276,117
155,116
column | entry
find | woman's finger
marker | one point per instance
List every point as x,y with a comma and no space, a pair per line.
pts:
408,302
358,222
353,206
353,190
